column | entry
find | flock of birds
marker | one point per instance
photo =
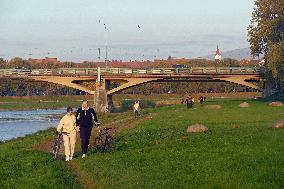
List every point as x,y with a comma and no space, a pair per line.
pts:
38,52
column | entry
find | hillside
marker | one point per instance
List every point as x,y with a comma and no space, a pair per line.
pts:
237,54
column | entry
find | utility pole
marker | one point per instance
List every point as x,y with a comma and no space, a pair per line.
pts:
106,58
99,76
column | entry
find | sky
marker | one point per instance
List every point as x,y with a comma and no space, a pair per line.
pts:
74,30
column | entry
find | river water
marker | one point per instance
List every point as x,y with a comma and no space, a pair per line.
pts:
15,124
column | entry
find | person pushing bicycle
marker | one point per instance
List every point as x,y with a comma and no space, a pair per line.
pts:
85,117
67,127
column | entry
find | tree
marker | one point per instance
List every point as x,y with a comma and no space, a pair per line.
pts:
3,63
19,62
266,36
68,65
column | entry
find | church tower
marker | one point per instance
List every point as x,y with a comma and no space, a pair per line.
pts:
218,56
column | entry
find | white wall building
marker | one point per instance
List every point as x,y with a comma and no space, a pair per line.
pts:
218,56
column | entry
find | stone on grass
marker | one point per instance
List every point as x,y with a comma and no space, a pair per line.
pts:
196,128
212,107
276,104
244,105
278,125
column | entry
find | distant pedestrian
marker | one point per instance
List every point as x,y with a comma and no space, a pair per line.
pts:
67,127
85,117
189,102
136,109
201,100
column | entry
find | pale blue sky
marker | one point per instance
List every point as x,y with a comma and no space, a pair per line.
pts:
73,30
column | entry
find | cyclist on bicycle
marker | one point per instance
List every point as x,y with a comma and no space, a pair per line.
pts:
67,127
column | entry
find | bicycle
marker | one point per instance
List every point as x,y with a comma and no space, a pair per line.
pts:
137,113
57,144
104,140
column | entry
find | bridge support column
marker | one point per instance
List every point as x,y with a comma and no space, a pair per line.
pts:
110,103
100,97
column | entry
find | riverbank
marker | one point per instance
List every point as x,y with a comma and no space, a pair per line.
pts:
41,102
56,102
155,151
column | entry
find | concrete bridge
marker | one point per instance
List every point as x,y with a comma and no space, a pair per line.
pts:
71,77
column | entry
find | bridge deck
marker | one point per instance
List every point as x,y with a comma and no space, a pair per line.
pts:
150,72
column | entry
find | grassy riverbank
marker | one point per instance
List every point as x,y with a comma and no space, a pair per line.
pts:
54,102
155,151
41,102
24,167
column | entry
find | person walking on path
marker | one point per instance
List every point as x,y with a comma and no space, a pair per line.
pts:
189,102
85,118
136,109
67,126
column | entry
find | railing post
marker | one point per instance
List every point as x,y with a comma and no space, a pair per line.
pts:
217,70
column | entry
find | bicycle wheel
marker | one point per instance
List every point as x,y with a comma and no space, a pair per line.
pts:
98,144
108,143
135,114
56,148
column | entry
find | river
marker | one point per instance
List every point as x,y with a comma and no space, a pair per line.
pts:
15,124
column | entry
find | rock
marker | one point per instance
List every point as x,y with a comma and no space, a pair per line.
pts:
197,128
276,104
244,105
278,125
212,107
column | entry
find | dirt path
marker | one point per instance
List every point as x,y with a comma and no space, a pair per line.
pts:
82,176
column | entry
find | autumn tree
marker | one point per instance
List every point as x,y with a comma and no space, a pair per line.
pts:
18,62
3,63
266,36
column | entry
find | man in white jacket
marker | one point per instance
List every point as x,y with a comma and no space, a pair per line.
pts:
67,126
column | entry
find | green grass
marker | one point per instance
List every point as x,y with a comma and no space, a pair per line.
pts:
21,166
238,151
54,102
160,154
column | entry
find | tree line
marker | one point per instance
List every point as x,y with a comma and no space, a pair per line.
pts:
19,62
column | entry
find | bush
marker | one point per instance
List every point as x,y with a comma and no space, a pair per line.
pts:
128,104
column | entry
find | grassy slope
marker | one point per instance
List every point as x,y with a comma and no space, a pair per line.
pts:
239,151
160,154
52,102
23,167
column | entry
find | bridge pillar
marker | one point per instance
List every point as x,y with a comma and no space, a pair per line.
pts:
110,103
100,97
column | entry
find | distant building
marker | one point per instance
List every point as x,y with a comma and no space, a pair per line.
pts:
218,56
44,60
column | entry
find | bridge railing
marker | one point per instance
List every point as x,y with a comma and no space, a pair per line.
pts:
140,71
